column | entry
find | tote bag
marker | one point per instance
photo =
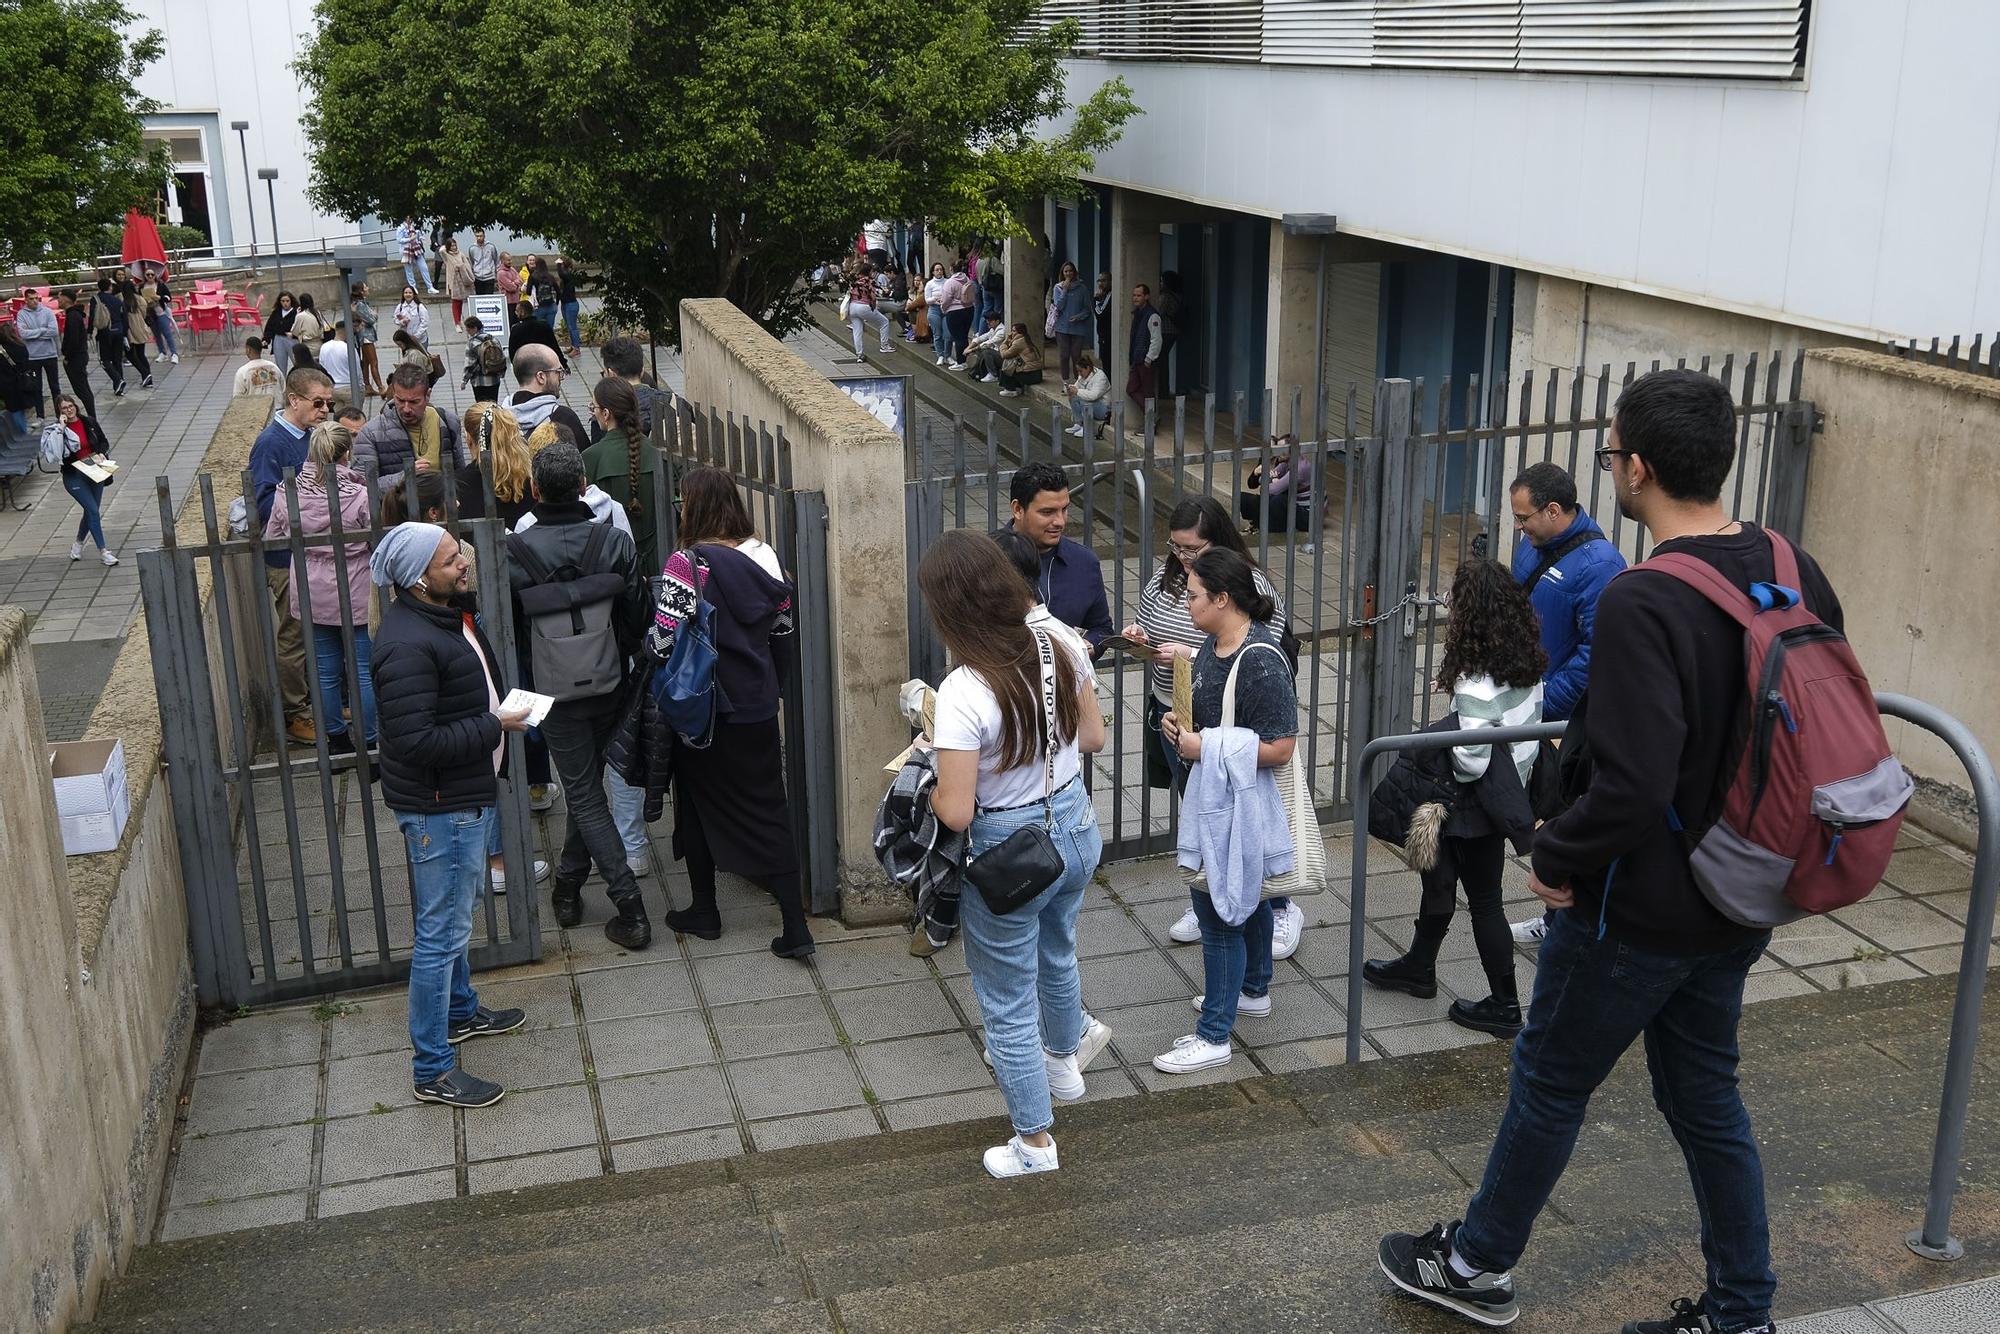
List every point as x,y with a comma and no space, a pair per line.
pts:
1308,871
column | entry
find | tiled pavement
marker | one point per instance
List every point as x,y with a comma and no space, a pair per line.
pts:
1966,1308
697,1049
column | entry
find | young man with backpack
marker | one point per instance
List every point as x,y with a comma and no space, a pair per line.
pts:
1639,947
582,604
1564,561
485,362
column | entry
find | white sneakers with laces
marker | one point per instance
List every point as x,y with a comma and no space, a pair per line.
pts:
1257,1007
1286,926
1186,931
76,551
1192,1053
1065,1079
1016,1159
108,556
1532,930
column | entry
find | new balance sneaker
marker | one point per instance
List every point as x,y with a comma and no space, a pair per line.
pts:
1191,1053
1421,1266
1287,924
1257,1007
1065,1077
484,1023
1187,930
1015,1159
456,1088
1688,1317
1532,930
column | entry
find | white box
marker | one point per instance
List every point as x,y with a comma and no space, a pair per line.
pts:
92,799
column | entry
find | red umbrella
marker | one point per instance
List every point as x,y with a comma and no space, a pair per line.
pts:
142,245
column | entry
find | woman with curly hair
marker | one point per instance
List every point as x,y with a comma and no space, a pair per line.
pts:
1493,664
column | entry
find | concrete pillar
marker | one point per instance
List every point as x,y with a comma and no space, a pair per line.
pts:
734,366
1293,335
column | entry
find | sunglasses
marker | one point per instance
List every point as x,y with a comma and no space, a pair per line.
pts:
320,402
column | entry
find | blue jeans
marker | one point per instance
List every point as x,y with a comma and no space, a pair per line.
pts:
447,875
333,678
20,420
1024,964
569,314
1234,960
940,336
417,274
1592,999
1097,409
88,495
628,812
546,311
163,329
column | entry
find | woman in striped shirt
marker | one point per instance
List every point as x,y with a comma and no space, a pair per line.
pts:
1493,664
1164,624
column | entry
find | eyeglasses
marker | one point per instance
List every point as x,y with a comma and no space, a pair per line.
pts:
1188,553
320,402
1192,597
1604,457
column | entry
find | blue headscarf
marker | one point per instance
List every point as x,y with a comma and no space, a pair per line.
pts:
404,553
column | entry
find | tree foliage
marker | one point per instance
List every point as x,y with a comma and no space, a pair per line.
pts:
693,147
75,158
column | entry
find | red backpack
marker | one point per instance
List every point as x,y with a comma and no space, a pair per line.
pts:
1816,800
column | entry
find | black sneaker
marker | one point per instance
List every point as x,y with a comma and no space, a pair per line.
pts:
1688,1318
1421,1266
483,1024
1499,1017
459,1089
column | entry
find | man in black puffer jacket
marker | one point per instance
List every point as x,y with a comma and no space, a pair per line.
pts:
437,684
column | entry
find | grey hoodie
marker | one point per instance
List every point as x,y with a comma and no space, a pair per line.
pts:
39,330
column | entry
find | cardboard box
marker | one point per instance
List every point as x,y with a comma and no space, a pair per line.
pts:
92,798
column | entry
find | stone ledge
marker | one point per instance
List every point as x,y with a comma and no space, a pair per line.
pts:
1908,368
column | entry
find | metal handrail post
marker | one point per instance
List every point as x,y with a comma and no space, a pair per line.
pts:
1934,1240
1357,884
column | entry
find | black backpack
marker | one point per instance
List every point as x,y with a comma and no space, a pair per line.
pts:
571,619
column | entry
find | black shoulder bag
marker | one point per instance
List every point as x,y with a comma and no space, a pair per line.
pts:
1014,871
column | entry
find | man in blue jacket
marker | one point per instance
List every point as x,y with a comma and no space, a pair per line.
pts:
1565,563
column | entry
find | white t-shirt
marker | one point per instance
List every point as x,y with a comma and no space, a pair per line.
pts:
968,718
259,377
764,555
337,362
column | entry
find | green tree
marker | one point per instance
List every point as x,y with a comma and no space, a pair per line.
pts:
696,148
75,158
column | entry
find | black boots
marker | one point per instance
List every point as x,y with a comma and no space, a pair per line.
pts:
567,900
1499,1014
693,921
797,942
629,928
1415,972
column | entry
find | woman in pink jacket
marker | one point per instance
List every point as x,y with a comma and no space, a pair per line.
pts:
325,476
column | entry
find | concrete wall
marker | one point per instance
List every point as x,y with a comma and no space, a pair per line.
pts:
96,1016
1900,512
1833,201
734,366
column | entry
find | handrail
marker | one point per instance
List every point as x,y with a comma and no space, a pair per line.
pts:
1933,1241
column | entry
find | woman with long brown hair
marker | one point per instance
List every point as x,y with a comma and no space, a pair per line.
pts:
622,462
730,808
997,774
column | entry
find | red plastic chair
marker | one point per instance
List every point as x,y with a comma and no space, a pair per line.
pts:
245,317
208,287
205,319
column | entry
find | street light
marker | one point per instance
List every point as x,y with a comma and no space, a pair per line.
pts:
269,175
243,141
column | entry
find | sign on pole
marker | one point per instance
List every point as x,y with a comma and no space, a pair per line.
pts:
491,308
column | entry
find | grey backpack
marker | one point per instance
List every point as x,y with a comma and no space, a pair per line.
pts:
569,614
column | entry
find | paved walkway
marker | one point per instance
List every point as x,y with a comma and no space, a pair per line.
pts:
1966,1308
697,1049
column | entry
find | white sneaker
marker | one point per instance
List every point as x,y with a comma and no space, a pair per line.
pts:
956,365
641,867
1186,931
1015,1159
885,349
498,878
1096,1037
1065,1078
108,556
940,361
175,358
1532,930
1073,430
1190,1054
544,798
1256,1007
989,379
1285,929
76,551
1010,393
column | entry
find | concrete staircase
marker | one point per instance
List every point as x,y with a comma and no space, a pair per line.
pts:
1246,1206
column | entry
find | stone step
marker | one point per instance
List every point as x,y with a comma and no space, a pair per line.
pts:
766,1295
432,1273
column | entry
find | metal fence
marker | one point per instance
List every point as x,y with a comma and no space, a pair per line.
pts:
296,877
1410,481
1979,356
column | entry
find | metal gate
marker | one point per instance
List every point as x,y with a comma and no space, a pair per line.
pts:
1410,481
296,877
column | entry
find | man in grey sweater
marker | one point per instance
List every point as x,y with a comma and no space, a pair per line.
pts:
485,260
38,328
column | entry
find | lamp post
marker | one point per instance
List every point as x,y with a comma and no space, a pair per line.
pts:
243,141
269,175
